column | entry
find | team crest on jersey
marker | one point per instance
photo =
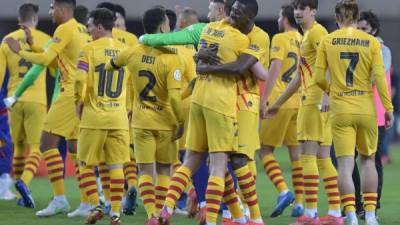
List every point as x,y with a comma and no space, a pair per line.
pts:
254,47
177,75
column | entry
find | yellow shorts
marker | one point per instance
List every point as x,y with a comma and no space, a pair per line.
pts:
314,125
62,119
248,139
110,146
26,122
351,130
186,110
155,146
209,131
282,129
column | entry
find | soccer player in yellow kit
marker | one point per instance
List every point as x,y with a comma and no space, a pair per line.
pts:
285,57
28,114
157,112
61,120
104,127
313,123
355,64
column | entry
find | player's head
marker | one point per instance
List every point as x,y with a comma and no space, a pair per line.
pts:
107,5
305,10
347,12
62,10
172,18
216,10
243,12
286,18
228,6
100,22
369,23
187,17
81,14
28,13
120,21
155,20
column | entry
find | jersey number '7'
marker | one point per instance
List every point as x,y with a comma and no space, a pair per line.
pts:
354,57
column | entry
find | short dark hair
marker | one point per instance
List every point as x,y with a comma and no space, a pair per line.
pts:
372,20
72,3
103,17
81,14
218,1
313,4
120,9
152,19
228,6
107,5
288,13
27,10
251,7
172,18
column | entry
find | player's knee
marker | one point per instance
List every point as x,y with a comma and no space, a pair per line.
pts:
238,161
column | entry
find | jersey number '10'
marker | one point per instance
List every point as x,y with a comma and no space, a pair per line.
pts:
354,57
106,82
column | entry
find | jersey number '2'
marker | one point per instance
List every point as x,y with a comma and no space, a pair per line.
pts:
144,94
287,76
106,82
354,58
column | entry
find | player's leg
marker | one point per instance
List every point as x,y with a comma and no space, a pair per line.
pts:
161,187
297,180
5,160
18,137
200,186
130,170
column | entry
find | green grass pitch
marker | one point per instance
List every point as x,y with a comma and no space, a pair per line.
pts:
11,214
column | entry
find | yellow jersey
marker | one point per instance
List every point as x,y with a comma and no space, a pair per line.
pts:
83,30
125,37
311,94
353,57
69,41
219,92
286,48
18,67
104,104
154,72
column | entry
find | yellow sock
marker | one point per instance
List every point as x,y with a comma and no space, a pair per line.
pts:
349,202
88,184
55,169
370,201
31,164
146,189
214,193
105,180
311,180
274,173
83,197
178,184
247,185
329,176
161,190
230,198
130,171
298,183
117,182
253,168
18,160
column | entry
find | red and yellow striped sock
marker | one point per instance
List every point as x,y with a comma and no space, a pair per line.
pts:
253,168
297,179
273,171
130,170
230,198
161,190
117,182
55,169
349,203
146,189
178,184
104,174
176,166
247,185
329,176
31,164
311,180
214,193
88,184
370,202
18,160
83,197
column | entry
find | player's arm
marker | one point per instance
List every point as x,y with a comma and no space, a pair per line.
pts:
321,65
237,68
121,60
189,35
81,76
3,65
378,73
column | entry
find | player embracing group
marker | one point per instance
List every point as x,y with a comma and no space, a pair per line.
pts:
130,109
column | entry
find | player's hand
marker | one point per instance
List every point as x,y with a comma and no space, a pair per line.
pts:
209,56
389,120
202,68
28,34
10,101
13,45
178,132
79,109
272,111
325,102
